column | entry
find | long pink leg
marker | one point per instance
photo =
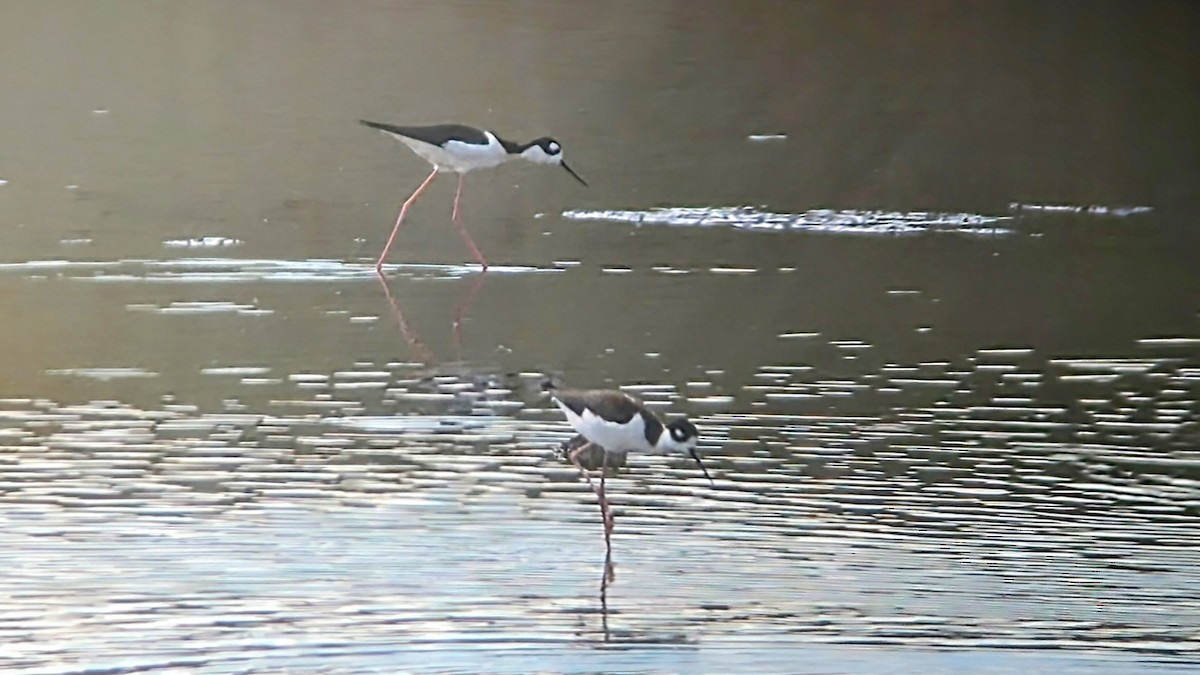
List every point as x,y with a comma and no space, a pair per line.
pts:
462,230
605,510
400,219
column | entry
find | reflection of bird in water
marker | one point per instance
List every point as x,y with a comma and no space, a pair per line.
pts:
619,423
459,148
606,578
410,335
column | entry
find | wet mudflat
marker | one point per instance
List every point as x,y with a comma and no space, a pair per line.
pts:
952,427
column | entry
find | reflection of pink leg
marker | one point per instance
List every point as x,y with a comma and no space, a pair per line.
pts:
608,577
410,336
462,230
400,219
461,310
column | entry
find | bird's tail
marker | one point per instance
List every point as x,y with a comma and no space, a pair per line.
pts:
379,125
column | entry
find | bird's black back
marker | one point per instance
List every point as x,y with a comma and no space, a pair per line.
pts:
436,134
612,405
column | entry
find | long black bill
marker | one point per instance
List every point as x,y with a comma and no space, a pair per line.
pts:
696,457
572,172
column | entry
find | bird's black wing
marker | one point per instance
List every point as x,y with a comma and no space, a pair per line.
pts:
614,406
437,134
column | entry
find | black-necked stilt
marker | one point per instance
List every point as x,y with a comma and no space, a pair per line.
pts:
618,422
459,148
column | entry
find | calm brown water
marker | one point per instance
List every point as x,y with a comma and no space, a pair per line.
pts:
924,275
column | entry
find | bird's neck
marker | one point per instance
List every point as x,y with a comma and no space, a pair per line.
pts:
511,147
663,444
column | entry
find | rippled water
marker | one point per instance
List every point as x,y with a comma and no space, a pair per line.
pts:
992,503
228,446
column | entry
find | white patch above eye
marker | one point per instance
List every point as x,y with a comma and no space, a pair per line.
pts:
553,147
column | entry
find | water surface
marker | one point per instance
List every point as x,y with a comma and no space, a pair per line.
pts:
923,276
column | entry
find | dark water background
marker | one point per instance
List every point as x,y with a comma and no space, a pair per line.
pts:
924,274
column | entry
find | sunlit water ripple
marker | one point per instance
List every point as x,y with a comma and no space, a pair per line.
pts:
215,269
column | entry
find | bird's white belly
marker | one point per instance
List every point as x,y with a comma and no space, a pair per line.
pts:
614,437
459,157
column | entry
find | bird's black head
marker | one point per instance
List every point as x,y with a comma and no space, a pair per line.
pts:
684,436
683,432
546,150
551,147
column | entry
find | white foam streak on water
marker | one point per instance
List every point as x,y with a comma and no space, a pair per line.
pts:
202,242
1098,210
844,221
852,221
103,374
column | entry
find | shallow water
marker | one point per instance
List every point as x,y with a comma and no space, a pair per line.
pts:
945,358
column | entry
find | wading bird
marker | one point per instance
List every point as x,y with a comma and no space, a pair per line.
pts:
458,148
